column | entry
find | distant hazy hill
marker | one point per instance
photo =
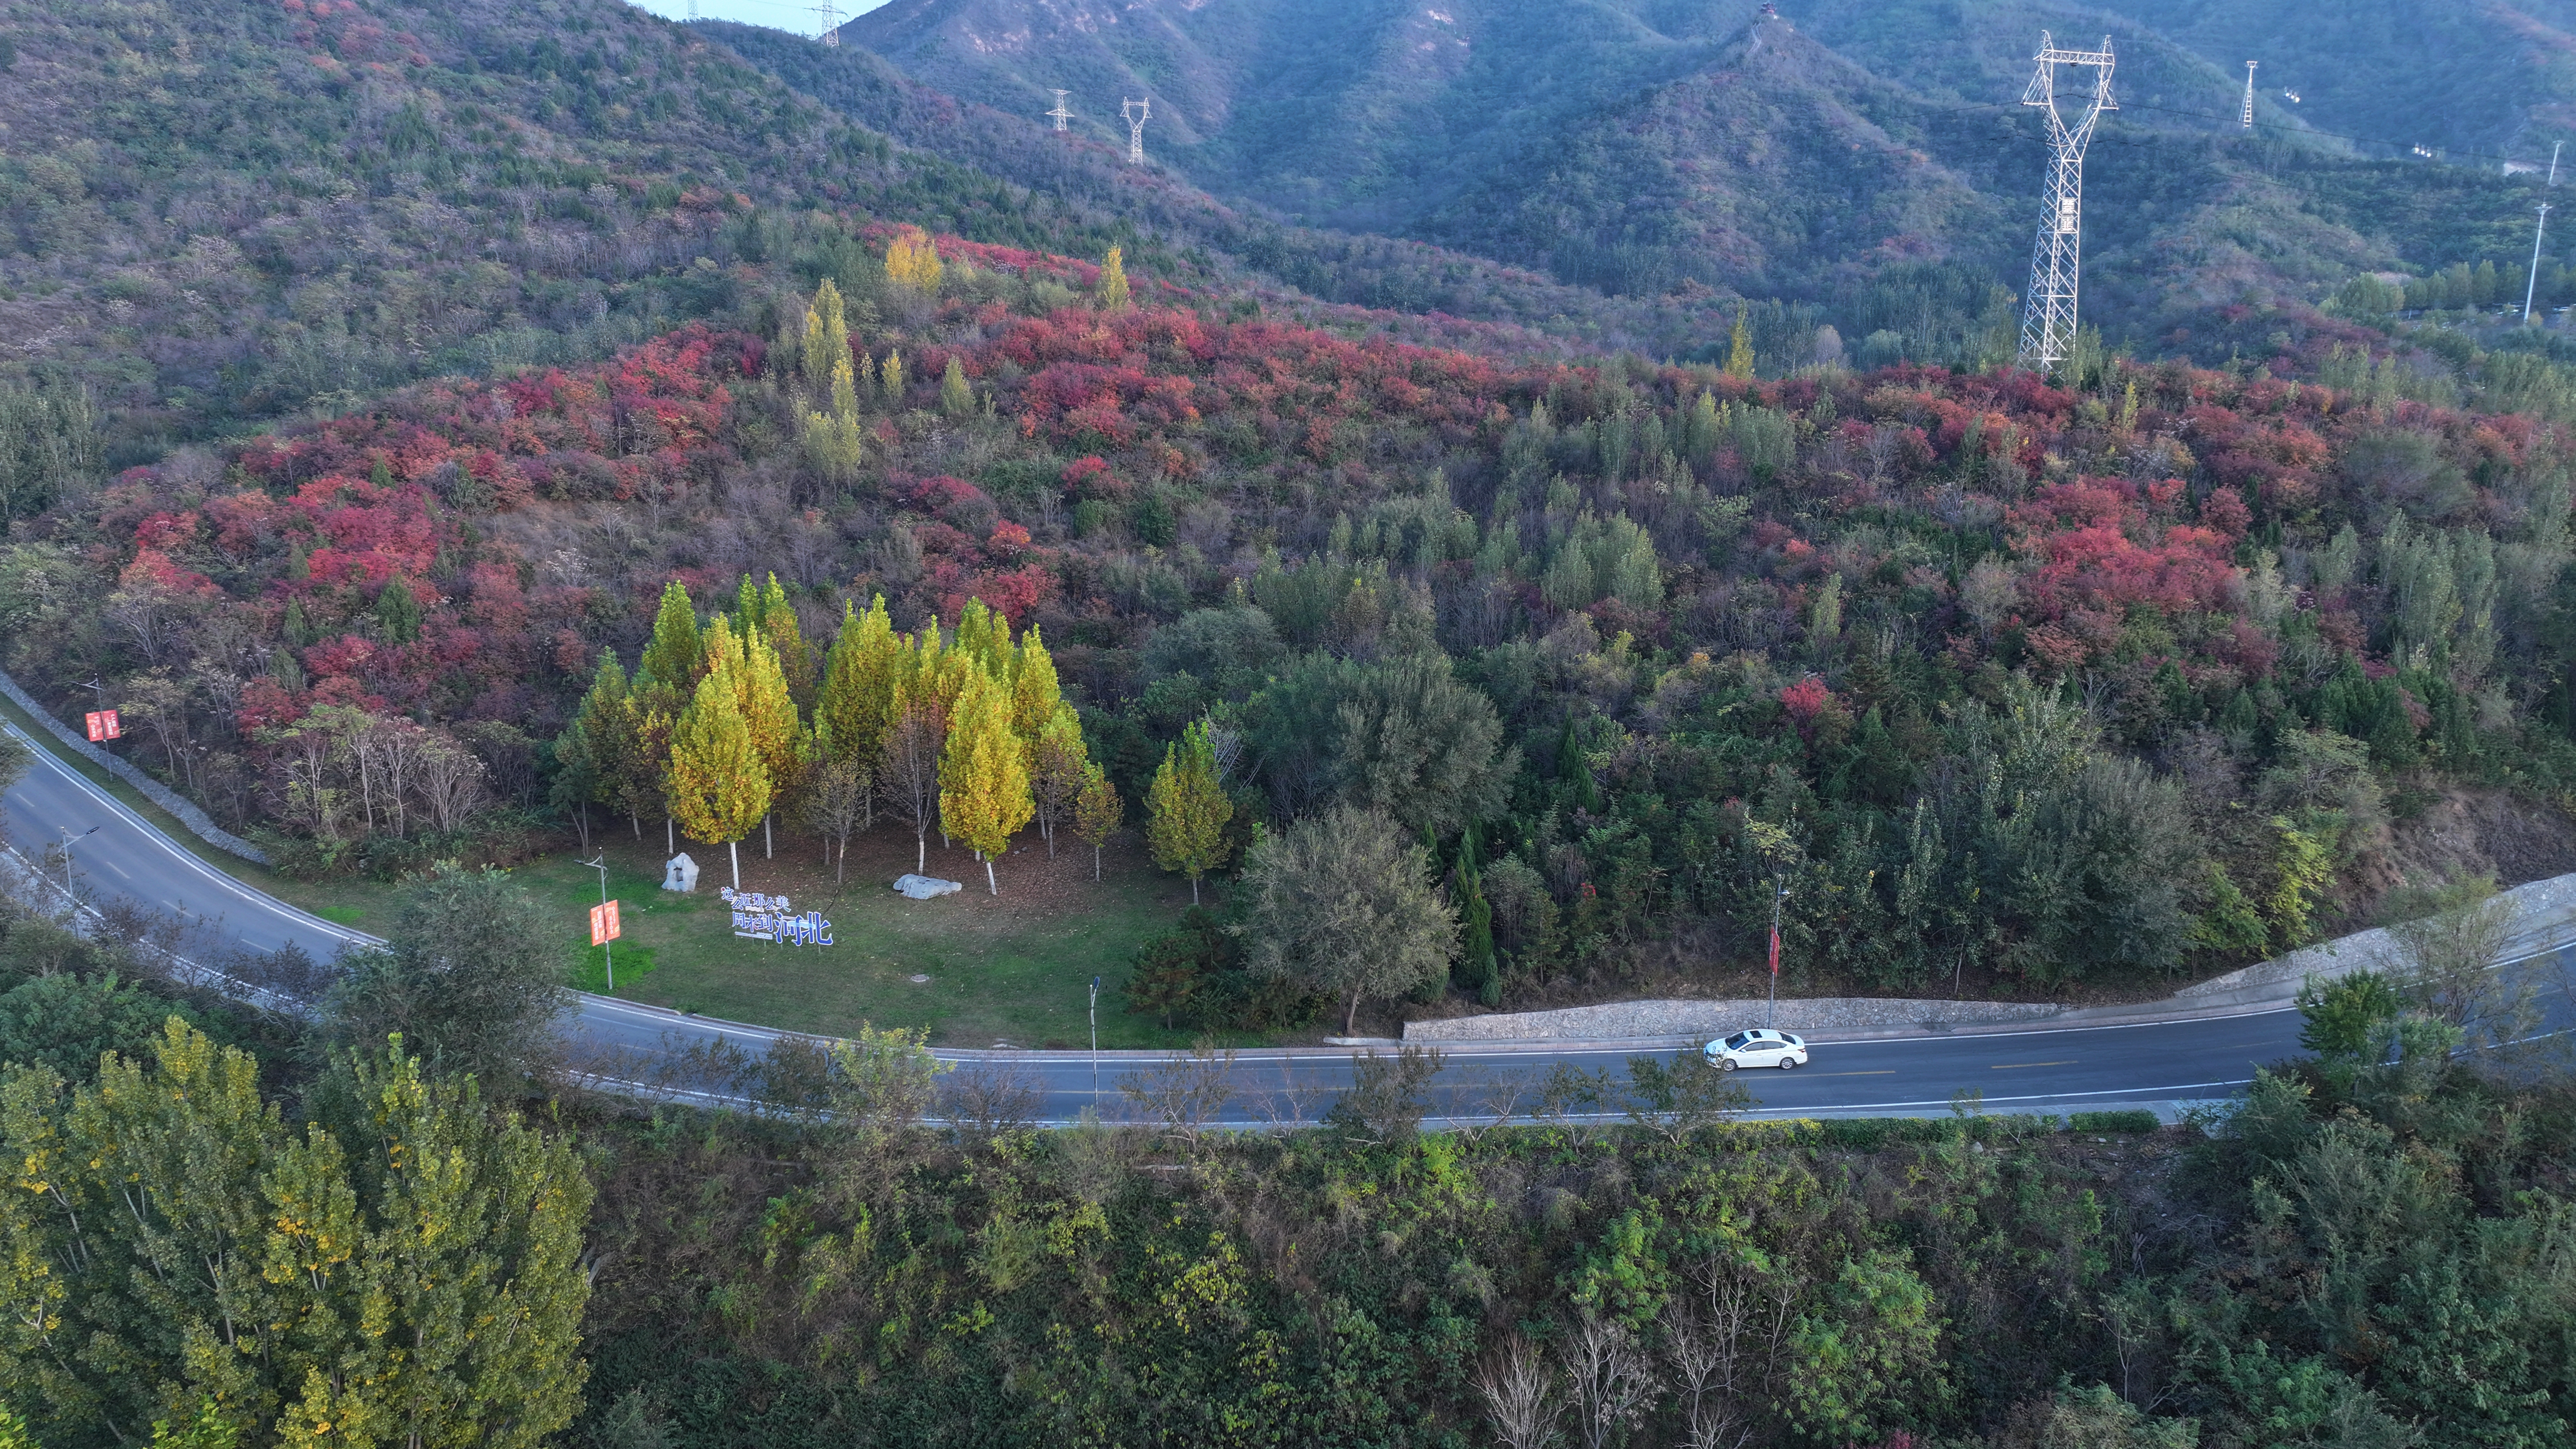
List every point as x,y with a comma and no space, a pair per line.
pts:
2491,76
1640,146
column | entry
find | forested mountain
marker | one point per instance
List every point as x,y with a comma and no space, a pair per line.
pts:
2491,80
1641,148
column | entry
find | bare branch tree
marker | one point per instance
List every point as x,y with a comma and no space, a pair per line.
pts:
451,784
990,1098
1724,1348
910,774
1183,1093
1519,1394
1614,1381
836,804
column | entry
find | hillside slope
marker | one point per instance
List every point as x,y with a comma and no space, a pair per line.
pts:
212,214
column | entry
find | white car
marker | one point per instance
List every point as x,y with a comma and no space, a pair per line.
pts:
1760,1047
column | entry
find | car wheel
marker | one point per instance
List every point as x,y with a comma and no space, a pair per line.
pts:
1726,1064
1787,1062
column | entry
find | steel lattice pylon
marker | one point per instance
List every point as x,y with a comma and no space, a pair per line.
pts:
2056,255
1135,113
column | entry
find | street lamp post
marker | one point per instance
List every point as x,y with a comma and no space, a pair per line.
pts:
68,838
1095,1043
607,951
1779,893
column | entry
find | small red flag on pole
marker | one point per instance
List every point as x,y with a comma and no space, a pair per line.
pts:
1775,950
103,725
603,924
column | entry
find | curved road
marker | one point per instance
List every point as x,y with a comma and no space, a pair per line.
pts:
2161,1065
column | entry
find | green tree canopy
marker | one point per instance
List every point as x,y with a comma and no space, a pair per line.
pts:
414,1279
1187,809
471,975
1343,903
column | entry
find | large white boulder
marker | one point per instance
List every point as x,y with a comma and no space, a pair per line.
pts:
924,887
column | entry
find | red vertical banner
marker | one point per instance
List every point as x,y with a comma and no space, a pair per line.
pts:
604,924
115,727
97,727
1775,950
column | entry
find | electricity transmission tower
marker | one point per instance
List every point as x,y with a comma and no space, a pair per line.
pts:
1060,113
1135,112
2248,120
831,14
2048,313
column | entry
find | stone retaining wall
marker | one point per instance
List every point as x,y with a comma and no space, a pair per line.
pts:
2543,910
153,790
2544,915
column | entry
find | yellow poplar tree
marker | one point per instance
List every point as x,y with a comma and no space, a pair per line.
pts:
984,637
1187,809
984,774
859,682
1096,813
1059,766
1111,294
912,260
1739,349
1035,691
776,734
718,787
778,625
827,336
891,378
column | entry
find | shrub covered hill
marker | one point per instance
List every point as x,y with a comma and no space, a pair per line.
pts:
2146,672
214,215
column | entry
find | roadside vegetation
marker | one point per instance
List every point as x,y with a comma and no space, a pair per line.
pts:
2370,1249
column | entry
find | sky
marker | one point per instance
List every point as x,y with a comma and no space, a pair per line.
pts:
804,19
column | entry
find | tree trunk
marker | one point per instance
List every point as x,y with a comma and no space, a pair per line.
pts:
1095,864
768,846
1194,890
581,820
920,854
733,848
991,884
637,821
840,868
670,840
1351,1016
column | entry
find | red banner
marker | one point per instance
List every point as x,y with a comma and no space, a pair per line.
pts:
104,725
1775,950
603,924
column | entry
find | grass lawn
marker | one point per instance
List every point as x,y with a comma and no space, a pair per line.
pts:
1013,968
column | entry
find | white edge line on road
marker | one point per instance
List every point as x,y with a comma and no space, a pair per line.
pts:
162,838
609,1006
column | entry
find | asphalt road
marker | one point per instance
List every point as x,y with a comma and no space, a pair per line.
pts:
2160,1065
